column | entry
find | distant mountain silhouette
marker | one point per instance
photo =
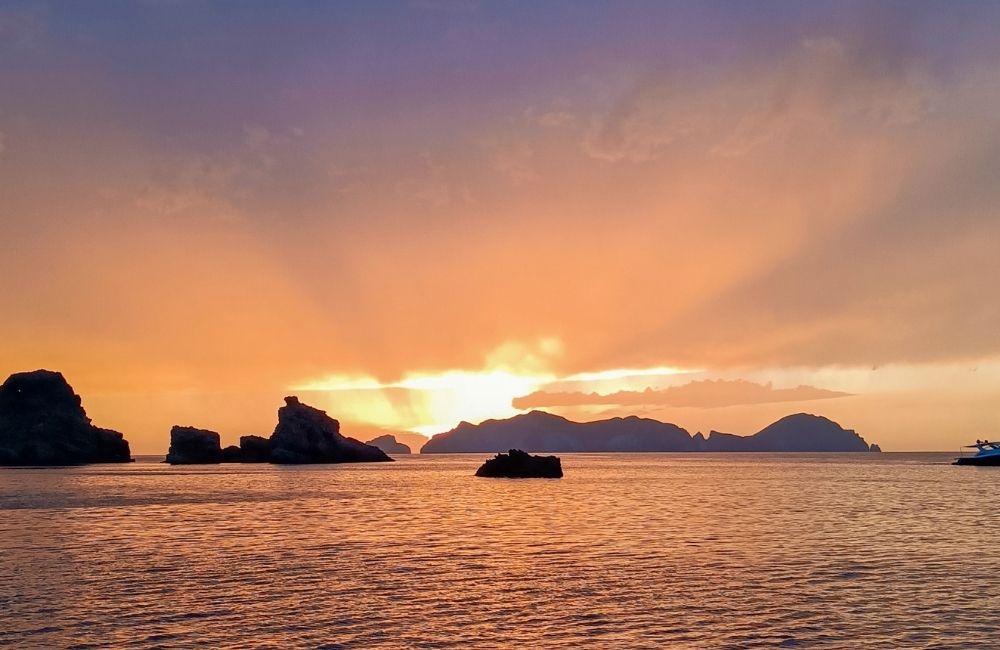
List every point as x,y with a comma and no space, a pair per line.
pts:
799,432
42,422
538,431
389,445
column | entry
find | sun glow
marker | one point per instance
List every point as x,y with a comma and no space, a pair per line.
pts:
429,403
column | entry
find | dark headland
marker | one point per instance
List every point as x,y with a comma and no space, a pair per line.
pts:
42,422
538,431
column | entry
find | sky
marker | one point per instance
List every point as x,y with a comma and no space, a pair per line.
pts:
415,213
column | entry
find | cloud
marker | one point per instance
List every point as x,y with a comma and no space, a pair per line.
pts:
700,394
820,89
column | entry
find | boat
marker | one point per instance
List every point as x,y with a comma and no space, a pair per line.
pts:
988,454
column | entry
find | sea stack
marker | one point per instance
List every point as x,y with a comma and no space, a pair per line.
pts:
191,446
42,422
519,464
308,435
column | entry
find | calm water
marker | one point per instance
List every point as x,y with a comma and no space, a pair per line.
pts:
627,551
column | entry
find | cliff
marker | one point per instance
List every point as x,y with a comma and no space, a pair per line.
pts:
42,422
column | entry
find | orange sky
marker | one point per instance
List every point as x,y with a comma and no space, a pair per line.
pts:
416,219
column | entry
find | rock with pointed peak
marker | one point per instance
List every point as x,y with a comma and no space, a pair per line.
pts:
308,435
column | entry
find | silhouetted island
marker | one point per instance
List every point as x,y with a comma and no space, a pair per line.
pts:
519,464
389,444
42,422
304,435
538,431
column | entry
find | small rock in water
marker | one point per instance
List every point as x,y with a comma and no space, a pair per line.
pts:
254,449
192,446
519,464
232,454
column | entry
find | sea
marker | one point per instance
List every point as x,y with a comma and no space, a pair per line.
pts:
891,550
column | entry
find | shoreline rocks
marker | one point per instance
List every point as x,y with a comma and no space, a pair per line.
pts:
518,464
304,435
42,422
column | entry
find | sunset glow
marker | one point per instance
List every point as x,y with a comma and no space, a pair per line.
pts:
418,213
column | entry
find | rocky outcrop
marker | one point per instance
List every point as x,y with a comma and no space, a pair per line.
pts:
389,445
875,448
42,422
308,435
304,435
254,449
518,464
538,431
191,446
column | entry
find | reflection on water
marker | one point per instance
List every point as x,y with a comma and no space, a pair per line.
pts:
626,551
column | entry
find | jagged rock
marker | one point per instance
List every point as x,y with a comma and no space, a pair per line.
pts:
518,464
389,445
875,448
191,446
231,454
254,449
308,435
42,422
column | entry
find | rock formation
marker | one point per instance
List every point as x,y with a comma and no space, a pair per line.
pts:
191,446
389,445
304,435
518,464
42,422
308,435
254,449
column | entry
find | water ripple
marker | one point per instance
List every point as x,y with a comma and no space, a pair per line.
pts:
636,551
